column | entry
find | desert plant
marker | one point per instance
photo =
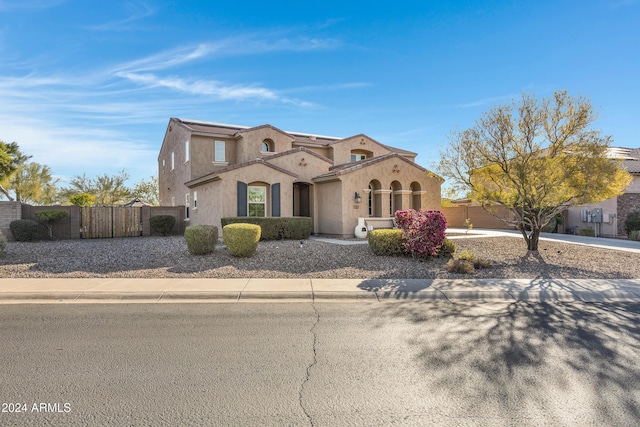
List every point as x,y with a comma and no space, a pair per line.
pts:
469,225
635,235
589,232
386,242
424,231
162,224
48,218
201,239
3,244
466,255
460,266
447,249
23,230
240,239
632,222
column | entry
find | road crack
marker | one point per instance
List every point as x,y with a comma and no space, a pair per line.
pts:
311,365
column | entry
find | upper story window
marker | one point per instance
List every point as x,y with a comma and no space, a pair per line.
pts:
173,160
267,146
219,155
357,157
187,153
360,154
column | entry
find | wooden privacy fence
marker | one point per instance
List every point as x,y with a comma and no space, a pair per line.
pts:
111,221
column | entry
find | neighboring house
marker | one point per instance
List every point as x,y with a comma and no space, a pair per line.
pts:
607,217
217,170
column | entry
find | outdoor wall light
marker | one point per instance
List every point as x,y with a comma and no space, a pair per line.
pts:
358,198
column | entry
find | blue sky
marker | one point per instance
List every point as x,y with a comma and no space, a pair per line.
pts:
91,88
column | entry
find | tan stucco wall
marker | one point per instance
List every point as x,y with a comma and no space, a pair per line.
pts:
249,144
323,151
171,183
329,202
203,153
342,149
305,165
609,206
343,215
219,198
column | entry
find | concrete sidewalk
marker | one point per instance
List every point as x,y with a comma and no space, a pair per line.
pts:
21,291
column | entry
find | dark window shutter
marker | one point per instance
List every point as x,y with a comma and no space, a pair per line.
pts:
275,200
242,199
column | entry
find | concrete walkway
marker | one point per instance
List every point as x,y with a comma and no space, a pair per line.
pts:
21,291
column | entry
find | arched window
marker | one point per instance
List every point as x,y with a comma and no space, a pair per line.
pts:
267,146
416,196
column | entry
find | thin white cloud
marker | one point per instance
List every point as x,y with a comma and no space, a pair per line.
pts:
212,88
137,11
485,101
79,149
167,59
329,87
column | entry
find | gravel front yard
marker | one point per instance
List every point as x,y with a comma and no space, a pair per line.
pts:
167,257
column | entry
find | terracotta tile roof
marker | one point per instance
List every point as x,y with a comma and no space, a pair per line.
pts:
214,175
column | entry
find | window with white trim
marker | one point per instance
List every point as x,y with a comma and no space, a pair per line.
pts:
358,157
187,155
195,200
257,201
173,160
164,165
219,155
173,201
186,207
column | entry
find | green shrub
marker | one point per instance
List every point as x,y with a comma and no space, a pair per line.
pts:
447,249
481,263
460,266
466,255
162,224
589,232
276,228
632,222
635,235
201,239
49,217
23,230
470,257
3,244
386,242
241,240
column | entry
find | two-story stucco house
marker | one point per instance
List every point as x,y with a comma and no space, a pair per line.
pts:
218,170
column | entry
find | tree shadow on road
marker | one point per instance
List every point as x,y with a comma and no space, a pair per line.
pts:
550,362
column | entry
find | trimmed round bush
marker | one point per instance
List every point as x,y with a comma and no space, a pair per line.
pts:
23,230
162,224
386,242
632,222
201,239
241,240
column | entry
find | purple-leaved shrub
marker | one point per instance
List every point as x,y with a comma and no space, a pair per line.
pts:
424,231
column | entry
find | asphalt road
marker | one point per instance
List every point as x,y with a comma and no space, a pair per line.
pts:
332,364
